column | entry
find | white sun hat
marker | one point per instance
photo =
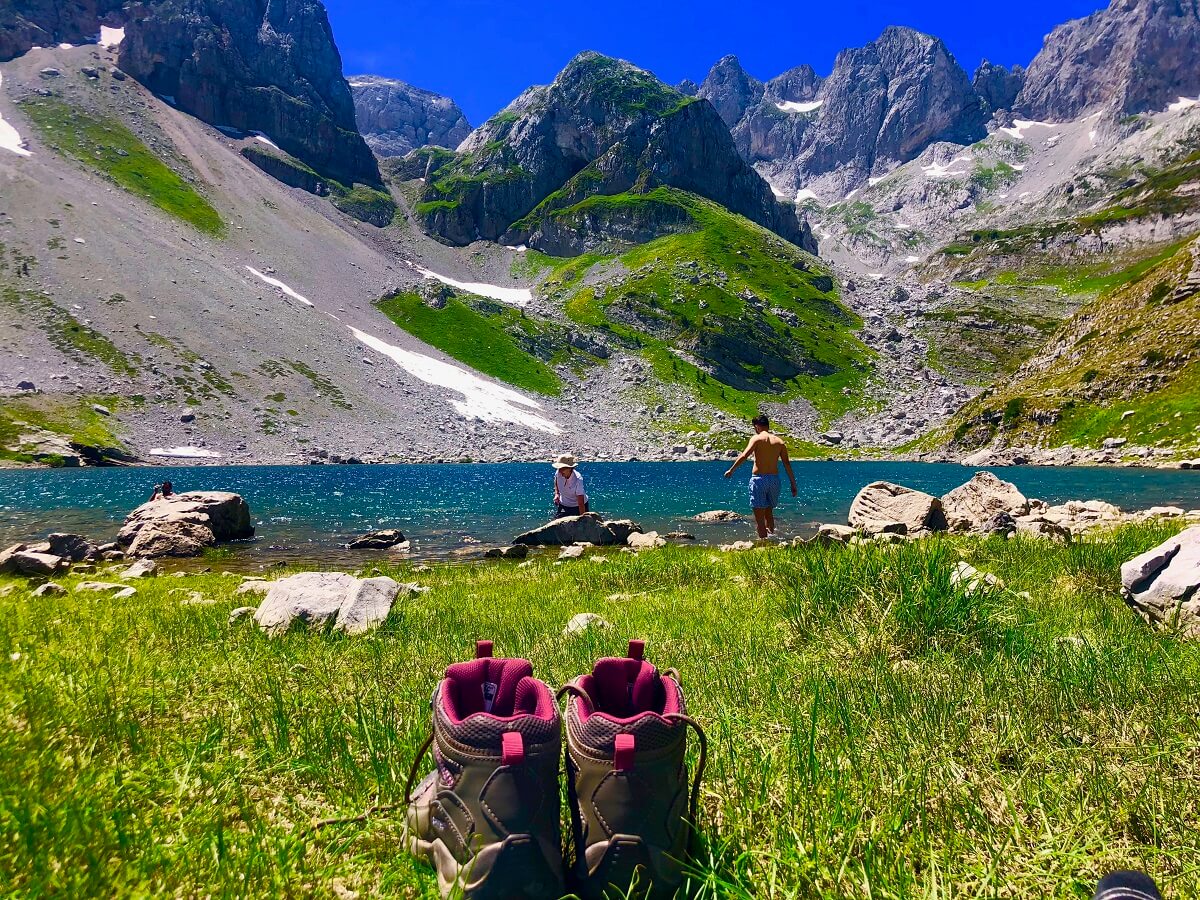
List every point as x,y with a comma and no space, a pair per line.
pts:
565,461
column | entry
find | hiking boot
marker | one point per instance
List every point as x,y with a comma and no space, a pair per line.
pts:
487,818
627,779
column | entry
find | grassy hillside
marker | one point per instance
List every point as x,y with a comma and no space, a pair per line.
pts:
490,337
727,310
74,419
108,147
1126,366
873,731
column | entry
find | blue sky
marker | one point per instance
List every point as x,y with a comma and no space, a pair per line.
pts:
485,53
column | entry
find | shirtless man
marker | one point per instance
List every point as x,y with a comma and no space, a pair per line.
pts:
767,449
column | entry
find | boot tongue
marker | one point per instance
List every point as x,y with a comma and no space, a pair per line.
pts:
486,686
627,687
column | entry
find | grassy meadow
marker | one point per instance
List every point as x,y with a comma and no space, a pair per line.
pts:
874,731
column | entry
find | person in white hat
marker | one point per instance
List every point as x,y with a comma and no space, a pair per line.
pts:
569,496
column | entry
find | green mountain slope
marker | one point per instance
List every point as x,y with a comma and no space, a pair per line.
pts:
1126,366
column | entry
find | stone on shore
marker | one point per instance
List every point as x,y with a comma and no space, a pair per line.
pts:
379,540
323,599
517,551
880,506
143,568
972,506
737,547
183,525
1163,584
49,589
23,560
74,547
589,529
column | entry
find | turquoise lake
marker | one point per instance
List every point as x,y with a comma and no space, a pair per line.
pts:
306,513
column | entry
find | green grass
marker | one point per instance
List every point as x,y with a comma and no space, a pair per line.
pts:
72,418
873,731
107,146
482,341
67,333
750,353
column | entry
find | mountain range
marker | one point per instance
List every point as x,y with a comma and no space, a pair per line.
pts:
609,262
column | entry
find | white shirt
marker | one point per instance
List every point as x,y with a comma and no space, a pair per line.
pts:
570,490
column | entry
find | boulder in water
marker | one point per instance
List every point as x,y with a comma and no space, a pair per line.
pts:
379,540
587,529
718,515
185,524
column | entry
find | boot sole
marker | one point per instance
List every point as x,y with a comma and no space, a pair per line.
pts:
513,869
626,856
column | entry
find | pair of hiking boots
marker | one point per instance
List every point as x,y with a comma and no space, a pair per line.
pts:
487,818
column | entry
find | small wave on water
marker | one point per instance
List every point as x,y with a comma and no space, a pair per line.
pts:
309,513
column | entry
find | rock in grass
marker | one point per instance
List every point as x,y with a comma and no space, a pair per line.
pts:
259,588
1163,584
737,547
240,613
575,551
379,540
583,621
884,504
32,562
971,580
328,599
971,506
49,589
648,541
100,587
143,568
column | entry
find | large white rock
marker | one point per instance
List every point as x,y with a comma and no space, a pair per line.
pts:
648,541
320,599
1163,584
880,506
971,506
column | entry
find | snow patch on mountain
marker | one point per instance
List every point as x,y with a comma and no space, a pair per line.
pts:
513,296
1020,126
276,283
480,399
793,107
1181,104
10,138
110,38
184,453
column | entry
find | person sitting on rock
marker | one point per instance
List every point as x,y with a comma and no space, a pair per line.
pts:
569,496
162,491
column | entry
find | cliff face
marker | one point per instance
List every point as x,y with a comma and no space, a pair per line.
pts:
604,127
41,23
256,65
997,86
396,118
1135,56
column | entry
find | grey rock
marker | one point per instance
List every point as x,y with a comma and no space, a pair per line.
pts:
379,540
517,551
648,541
254,66
184,524
143,568
320,599
49,589
71,546
582,622
1163,584
45,23
882,503
998,86
564,532
718,515
31,562
1134,56
240,613
972,581
396,118
972,506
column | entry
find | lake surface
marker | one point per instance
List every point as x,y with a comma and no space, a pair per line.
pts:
309,512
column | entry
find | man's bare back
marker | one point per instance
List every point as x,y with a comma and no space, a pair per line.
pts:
768,449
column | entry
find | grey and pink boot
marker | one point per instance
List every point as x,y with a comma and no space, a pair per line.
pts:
487,818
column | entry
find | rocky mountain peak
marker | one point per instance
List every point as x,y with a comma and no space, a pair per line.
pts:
1135,56
731,90
798,85
604,127
997,85
257,65
395,117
